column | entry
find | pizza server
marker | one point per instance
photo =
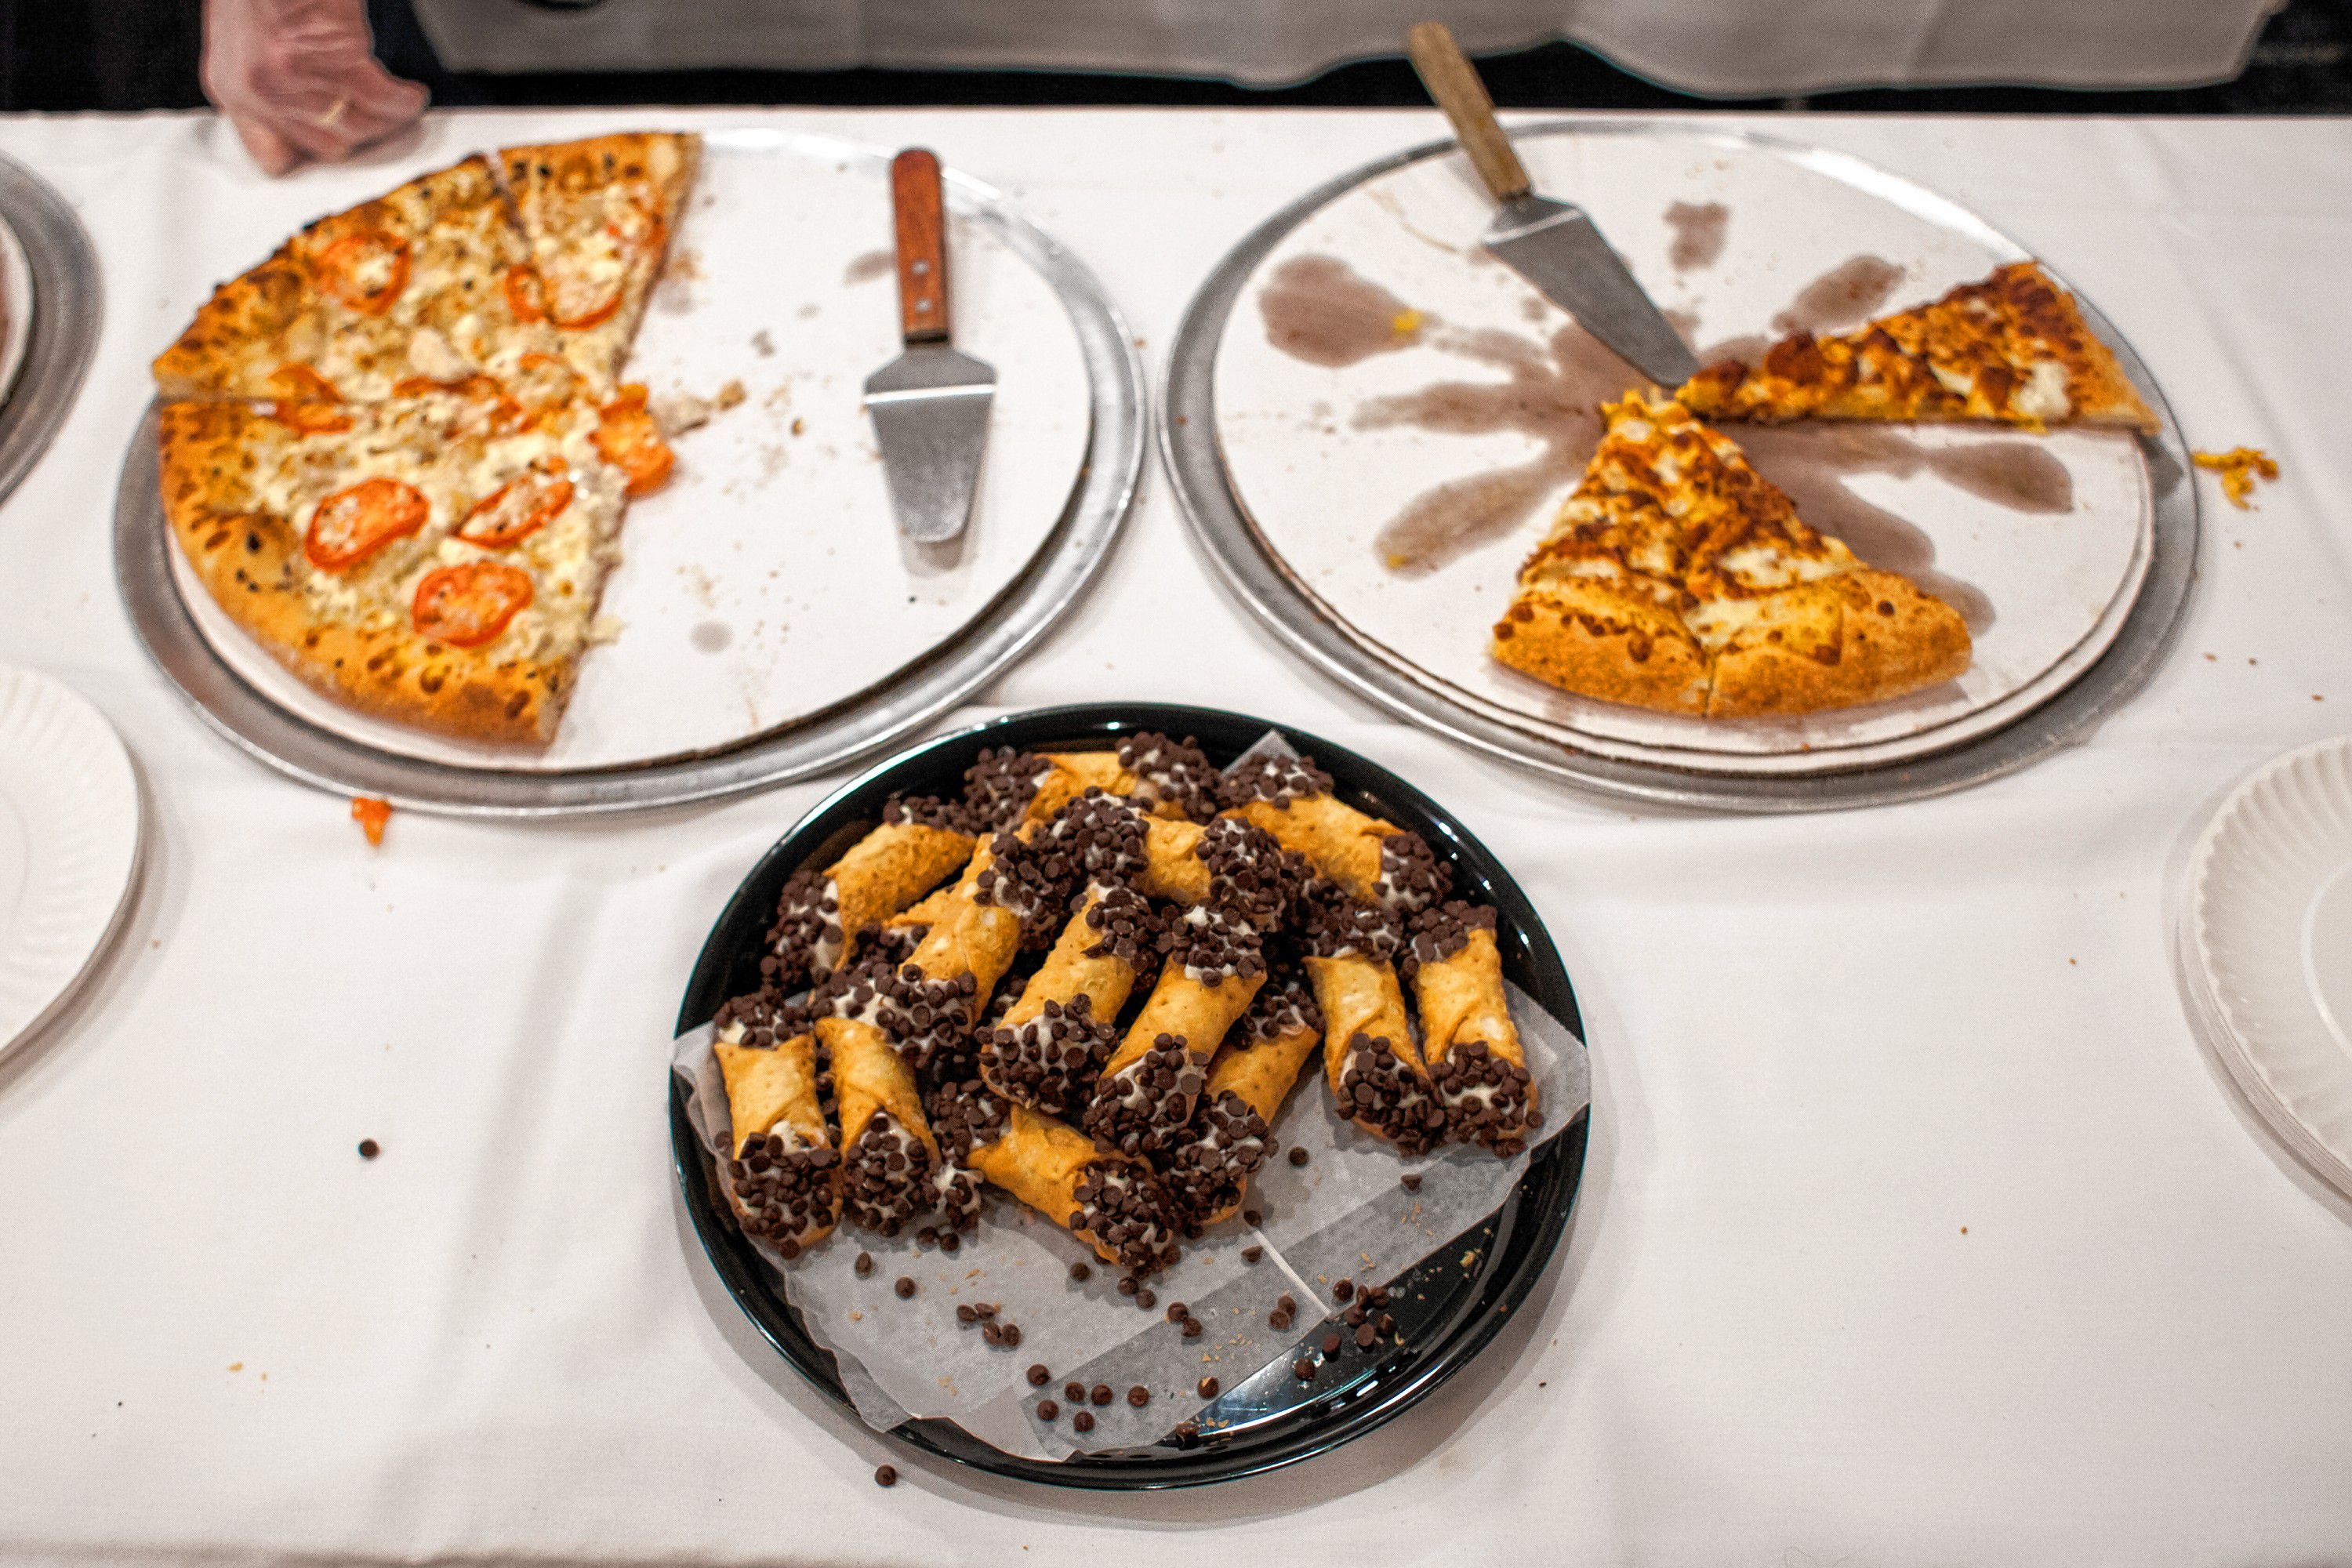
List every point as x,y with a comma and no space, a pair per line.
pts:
1552,245
931,404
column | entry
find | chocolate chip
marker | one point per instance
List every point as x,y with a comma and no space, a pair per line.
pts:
1192,1330
1331,1343
905,1287
369,1149
1303,1369
1253,1218
928,1236
1127,1286
1366,1336
1343,1290
1084,1421
1299,1156
1208,1388
1411,1180
1279,1320
1101,1394
1379,1295
1147,1299
991,1334
950,1242
1252,1253
1082,1270
1178,1311
1038,1376
1287,1302
865,1264
983,1309
1138,1396
886,1476
1047,1410
1012,1336
1075,1392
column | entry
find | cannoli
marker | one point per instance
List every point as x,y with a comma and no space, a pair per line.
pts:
1374,1068
1475,1062
1213,965
1231,1136
1170,779
1227,861
784,1175
1047,1050
1006,788
1110,1201
1377,862
888,1155
1007,896
920,841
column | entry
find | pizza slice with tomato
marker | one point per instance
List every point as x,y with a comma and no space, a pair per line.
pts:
436,558
597,216
406,287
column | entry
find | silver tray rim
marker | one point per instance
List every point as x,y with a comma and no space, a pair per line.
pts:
1222,534
1069,559
66,306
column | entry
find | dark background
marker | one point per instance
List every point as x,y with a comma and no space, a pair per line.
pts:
143,54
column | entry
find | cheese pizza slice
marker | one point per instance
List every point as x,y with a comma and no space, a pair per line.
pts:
597,217
1677,578
2013,350
435,560
426,283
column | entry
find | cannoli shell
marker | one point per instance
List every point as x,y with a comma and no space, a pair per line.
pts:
1039,1162
1358,995
868,1075
768,1086
1179,1004
1338,841
1262,1072
888,870
1171,870
1069,973
1461,998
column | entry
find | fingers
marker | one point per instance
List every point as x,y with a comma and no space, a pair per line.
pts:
298,79
264,147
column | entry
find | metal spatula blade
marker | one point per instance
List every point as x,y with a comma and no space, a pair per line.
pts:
1553,245
931,406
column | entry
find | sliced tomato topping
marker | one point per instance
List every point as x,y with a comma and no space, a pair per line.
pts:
517,510
371,812
365,269
352,524
577,298
631,442
305,401
544,382
469,604
524,296
487,392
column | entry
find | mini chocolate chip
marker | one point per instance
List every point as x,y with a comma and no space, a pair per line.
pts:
1191,1328
1101,1394
1147,1299
905,1287
1047,1410
865,1264
1303,1369
964,1314
1279,1320
1331,1343
1012,1336
950,1242
1388,1324
1287,1302
1138,1396
1081,1271
1127,1286
1208,1388
369,1149
1178,1311
1298,1156
1038,1376
1075,1392
1366,1336
928,1236
983,1309
1084,1421
991,1334
1252,1253
888,1476
1343,1290
1411,1180
1253,1218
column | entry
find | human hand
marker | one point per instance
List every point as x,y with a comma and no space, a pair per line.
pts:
298,79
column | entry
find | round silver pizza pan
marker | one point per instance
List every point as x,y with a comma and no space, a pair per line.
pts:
49,290
1206,495
1063,565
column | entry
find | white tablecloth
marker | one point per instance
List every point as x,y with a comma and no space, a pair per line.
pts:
1917,1228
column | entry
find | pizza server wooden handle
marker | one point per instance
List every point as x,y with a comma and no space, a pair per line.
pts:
1453,82
921,224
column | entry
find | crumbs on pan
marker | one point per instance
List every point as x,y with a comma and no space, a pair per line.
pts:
2240,468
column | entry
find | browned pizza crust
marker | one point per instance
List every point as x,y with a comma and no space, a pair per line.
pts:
566,196
212,454
1862,636
450,316
1586,638
2013,348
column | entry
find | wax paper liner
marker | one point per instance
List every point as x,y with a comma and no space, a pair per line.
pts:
1345,1214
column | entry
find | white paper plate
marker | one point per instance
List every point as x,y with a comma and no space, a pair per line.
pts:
1319,472
767,583
2265,938
70,840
